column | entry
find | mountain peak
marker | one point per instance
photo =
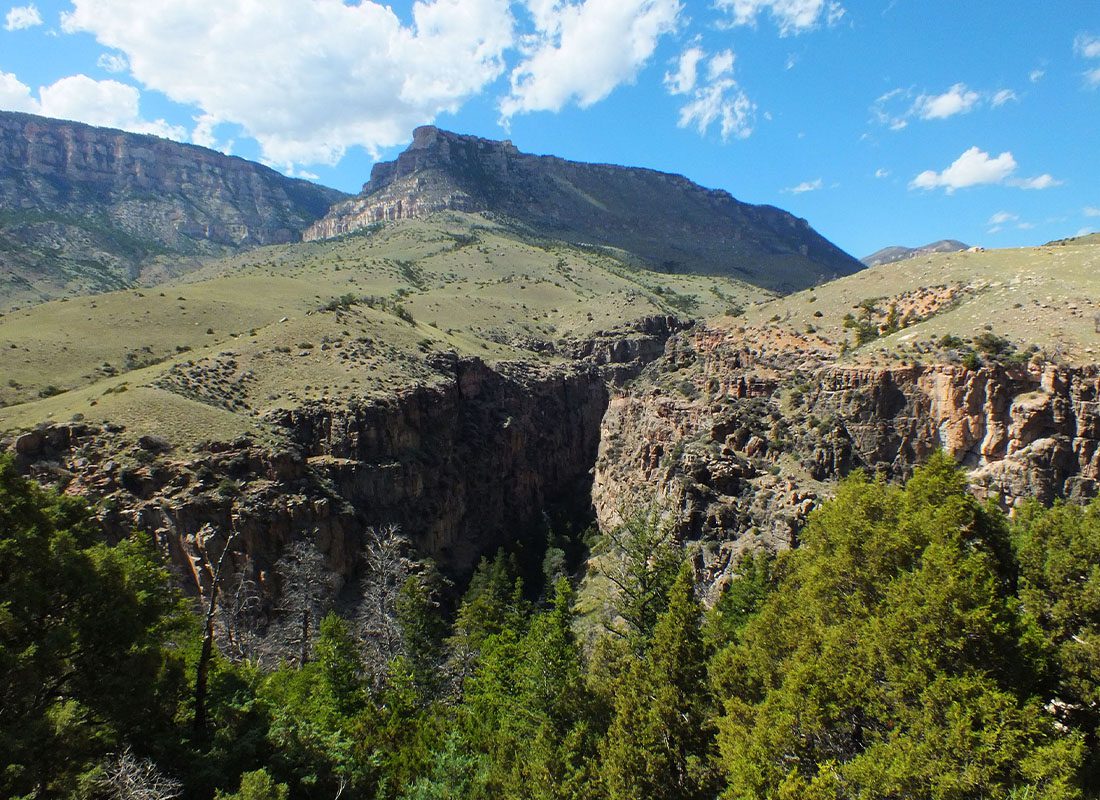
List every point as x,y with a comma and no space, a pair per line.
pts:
666,221
889,255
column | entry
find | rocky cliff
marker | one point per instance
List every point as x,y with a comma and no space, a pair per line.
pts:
87,209
665,220
736,436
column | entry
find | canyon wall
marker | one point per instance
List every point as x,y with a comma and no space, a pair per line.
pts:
463,466
737,444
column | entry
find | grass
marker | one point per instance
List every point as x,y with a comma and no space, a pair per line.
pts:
1048,297
216,350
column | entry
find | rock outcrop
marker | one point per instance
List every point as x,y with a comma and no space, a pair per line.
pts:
87,209
737,441
665,220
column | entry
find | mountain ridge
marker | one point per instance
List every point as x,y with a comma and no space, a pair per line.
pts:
87,209
666,220
888,255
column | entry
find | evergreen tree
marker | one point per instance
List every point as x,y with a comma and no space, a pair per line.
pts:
888,661
659,744
1058,553
84,666
529,709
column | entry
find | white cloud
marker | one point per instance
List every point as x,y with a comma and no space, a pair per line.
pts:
109,104
580,52
307,80
1087,45
1036,75
20,18
720,65
1026,226
972,168
1091,211
1001,217
956,100
897,107
806,186
976,168
1044,181
882,172
683,81
16,95
112,62
1084,232
719,100
791,16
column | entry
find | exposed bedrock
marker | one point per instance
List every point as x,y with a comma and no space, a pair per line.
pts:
737,445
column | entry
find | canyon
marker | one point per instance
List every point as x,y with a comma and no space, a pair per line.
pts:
732,444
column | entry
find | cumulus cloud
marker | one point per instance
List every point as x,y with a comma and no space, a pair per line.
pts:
1036,75
109,104
687,71
976,167
790,16
719,100
20,18
956,100
1091,211
882,172
1002,97
16,95
580,52
806,186
307,80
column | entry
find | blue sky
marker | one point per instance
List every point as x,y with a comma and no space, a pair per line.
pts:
880,121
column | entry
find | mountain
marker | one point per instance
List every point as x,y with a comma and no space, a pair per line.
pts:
666,221
889,255
86,209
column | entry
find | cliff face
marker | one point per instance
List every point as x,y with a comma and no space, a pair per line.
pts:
463,466
738,442
666,220
84,208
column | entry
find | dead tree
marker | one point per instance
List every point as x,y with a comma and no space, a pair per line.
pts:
202,670
241,617
127,777
376,625
305,594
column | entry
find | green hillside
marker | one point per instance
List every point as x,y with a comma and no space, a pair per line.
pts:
209,354
1038,298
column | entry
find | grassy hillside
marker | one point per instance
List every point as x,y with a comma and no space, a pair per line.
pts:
207,355
1043,299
